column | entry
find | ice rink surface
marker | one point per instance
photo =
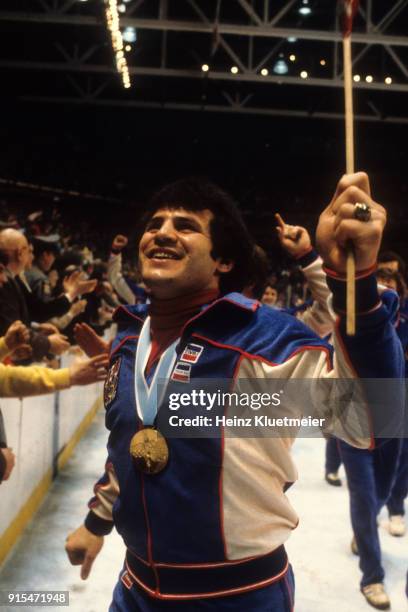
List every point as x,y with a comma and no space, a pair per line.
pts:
327,574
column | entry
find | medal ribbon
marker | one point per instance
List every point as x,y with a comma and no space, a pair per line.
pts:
147,401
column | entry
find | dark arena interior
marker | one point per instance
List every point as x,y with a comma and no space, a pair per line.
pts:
275,141
102,103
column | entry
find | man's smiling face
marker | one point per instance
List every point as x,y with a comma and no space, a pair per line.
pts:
175,253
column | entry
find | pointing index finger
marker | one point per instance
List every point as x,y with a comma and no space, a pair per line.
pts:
280,220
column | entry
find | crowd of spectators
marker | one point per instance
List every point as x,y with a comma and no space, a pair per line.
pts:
61,283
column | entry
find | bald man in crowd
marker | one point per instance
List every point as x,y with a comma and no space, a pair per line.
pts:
13,306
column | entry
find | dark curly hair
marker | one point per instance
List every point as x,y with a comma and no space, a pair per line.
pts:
231,240
386,256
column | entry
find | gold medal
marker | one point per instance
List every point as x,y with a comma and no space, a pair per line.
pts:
149,450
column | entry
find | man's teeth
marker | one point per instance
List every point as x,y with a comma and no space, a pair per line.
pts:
164,256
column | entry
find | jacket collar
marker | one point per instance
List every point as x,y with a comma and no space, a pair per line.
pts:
135,315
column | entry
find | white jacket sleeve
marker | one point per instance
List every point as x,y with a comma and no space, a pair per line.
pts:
318,317
99,520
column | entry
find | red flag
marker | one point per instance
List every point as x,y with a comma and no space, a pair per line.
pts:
349,10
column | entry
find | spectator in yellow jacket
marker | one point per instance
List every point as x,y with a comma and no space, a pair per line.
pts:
23,381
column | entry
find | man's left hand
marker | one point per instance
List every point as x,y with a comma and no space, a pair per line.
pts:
338,226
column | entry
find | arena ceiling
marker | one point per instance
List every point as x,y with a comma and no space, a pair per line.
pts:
60,51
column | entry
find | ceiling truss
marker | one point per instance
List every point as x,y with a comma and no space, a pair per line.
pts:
89,76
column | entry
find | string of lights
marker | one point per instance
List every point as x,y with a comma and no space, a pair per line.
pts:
112,19
281,68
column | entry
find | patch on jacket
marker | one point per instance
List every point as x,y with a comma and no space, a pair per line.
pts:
181,372
192,353
111,383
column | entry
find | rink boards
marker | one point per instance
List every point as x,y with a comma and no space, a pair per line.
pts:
43,432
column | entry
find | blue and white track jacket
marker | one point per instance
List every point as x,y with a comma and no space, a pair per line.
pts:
220,500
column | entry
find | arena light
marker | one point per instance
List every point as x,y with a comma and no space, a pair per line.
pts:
112,20
264,72
388,80
281,67
291,39
357,78
322,62
129,34
234,70
205,67
304,74
305,9
292,57
369,78
121,8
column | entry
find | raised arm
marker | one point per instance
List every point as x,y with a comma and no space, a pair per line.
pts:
296,241
115,275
